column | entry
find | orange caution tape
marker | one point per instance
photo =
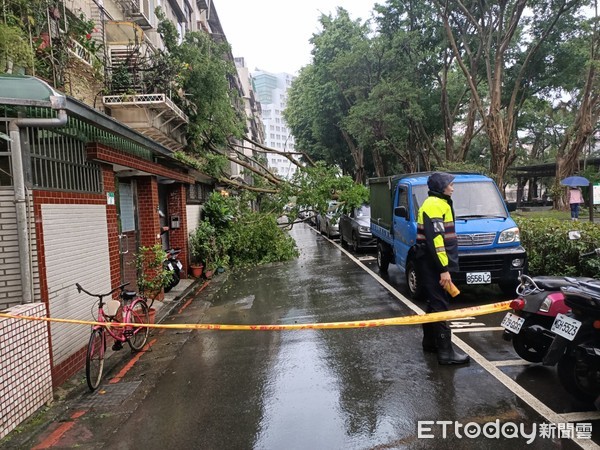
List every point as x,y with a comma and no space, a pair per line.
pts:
406,320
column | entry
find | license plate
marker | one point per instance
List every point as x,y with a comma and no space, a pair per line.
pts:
170,266
479,277
179,265
565,326
512,322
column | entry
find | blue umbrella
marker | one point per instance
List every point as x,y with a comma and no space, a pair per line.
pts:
575,181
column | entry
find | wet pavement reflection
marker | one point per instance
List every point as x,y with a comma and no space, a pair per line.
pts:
324,389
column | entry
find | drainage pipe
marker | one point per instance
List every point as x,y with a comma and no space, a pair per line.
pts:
18,172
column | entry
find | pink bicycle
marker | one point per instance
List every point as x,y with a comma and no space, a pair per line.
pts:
129,308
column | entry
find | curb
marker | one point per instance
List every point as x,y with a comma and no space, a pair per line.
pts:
62,396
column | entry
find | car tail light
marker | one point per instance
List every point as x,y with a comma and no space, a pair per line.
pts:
517,304
596,324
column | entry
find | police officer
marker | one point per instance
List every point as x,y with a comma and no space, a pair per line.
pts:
437,257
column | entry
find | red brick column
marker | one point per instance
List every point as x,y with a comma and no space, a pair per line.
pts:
149,224
108,178
178,237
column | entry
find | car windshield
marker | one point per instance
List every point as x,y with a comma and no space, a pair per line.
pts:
363,211
474,200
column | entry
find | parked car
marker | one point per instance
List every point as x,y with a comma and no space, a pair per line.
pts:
327,223
355,229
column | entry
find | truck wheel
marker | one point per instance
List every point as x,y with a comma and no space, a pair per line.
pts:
383,260
412,281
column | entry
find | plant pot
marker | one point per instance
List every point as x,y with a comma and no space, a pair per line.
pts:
151,315
196,271
209,274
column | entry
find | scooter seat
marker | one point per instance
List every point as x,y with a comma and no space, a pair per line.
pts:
549,283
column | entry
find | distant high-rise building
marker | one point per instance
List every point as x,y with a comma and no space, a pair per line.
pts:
271,91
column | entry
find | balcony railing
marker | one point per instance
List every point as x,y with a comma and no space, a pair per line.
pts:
81,53
151,100
160,120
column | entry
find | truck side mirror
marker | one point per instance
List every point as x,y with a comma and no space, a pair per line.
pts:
401,211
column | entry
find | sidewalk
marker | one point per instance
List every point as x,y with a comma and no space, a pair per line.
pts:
68,394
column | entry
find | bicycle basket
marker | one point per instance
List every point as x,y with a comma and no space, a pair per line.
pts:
111,307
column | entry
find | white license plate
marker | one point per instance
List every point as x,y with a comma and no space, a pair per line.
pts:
565,326
170,266
179,265
512,322
479,277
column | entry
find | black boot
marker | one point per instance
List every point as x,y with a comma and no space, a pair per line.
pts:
446,353
429,338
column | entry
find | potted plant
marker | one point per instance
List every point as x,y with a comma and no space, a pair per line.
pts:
203,246
152,275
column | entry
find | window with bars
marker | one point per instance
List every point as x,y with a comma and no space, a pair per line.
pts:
198,193
59,161
5,164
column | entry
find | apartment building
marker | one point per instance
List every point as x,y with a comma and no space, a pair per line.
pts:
271,91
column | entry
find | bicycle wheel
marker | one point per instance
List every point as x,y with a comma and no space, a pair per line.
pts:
139,335
94,360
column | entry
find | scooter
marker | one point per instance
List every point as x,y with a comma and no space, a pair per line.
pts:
534,310
173,264
576,347
539,301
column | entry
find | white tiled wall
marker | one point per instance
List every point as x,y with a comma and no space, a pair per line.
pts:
25,372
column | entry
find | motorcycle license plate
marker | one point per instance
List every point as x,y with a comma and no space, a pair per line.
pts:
512,323
479,277
179,265
170,266
565,326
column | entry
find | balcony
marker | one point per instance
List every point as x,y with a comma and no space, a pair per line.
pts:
153,115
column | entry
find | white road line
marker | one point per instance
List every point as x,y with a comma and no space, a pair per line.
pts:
543,410
511,362
475,329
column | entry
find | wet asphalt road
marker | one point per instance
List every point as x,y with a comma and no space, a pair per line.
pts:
320,389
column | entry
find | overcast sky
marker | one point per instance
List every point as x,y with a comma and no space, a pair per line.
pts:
273,35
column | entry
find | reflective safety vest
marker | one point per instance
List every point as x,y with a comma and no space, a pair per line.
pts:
436,232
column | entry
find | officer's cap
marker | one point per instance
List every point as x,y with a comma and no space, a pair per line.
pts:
438,181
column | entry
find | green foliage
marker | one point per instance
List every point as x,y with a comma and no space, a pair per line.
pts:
257,239
321,183
242,237
203,243
550,252
14,48
152,276
218,210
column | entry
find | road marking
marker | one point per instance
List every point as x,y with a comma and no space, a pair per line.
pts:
476,329
511,362
491,367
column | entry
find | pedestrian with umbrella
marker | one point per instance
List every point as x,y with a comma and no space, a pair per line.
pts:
575,195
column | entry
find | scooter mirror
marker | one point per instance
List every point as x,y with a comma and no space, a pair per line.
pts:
574,235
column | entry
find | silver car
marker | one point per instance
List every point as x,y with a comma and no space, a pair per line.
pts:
328,223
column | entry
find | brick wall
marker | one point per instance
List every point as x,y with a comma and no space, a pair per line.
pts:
178,237
25,373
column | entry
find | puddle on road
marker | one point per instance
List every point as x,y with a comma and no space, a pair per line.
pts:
302,399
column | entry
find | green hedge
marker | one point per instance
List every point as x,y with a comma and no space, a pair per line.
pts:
550,252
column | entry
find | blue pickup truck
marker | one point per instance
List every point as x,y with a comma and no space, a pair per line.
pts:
488,239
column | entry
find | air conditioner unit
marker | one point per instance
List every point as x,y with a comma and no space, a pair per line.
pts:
142,12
